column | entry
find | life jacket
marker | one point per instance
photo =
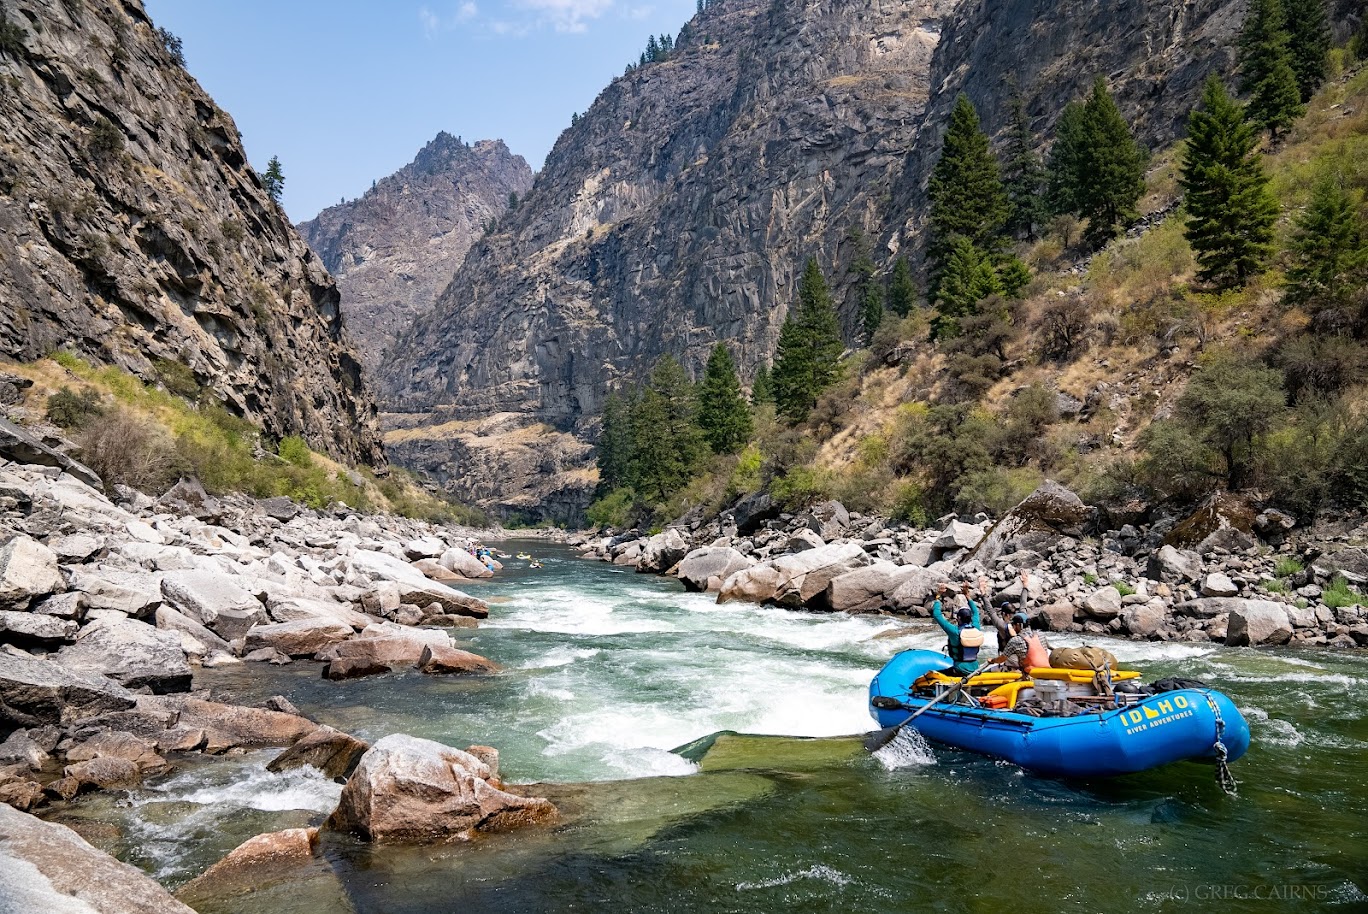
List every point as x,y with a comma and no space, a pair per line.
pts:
1036,655
970,640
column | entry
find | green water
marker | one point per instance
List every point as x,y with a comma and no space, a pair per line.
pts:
606,671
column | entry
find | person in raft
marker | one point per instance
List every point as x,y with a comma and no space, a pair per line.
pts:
1025,650
963,639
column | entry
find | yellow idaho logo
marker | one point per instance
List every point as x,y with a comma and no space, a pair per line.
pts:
1161,713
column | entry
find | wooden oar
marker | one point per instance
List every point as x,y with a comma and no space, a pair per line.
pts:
877,741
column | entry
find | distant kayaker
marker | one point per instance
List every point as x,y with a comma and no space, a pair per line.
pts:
963,639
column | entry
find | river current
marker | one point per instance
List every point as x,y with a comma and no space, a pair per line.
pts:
607,671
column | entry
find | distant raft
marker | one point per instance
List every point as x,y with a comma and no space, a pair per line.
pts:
1057,723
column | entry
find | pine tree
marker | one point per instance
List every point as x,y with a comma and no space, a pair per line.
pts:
969,278
273,178
966,192
667,446
723,415
762,390
1231,211
1329,250
1097,169
1266,68
615,443
871,310
1024,176
1308,30
809,347
902,289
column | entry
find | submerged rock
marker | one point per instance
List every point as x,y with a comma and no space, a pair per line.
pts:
410,789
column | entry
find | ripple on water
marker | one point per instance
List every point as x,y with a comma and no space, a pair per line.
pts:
820,872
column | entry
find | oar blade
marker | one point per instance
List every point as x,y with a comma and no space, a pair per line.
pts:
876,741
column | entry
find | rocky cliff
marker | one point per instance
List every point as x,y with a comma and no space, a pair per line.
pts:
134,232
675,213
395,248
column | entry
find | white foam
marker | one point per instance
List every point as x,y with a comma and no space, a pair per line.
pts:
820,872
909,749
253,788
560,656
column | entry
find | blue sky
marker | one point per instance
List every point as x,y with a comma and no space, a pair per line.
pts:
346,91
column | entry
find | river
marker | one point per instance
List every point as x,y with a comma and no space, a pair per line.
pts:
607,671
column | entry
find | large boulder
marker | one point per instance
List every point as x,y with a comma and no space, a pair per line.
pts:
410,789
188,497
959,535
803,577
132,653
1352,563
463,563
45,867
293,609
214,599
300,638
28,572
1256,622
756,584
705,569
1050,511
169,620
1218,584
753,511
35,629
1172,566
263,858
449,659
1056,617
135,594
21,447
331,751
36,692
662,552
1103,603
1144,619
228,726
871,589
1219,511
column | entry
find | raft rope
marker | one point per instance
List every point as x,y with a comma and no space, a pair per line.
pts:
1224,777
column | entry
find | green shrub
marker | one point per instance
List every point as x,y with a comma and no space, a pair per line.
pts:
1277,585
1339,594
1089,578
294,451
69,409
178,378
996,490
106,140
801,486
909,504
1288,566
1124,589
746,477
70,361
613,510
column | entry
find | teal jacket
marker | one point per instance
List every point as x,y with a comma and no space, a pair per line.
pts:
952,633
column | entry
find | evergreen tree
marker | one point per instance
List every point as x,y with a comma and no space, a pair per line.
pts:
615,443
1361,39
652,49
871,310
667,445
1024,175
809,347
1097,169
274,178
966,192
1308,30
902,289
723,415
866,291
1231,211
1266,68
969,278
762,391
1329,248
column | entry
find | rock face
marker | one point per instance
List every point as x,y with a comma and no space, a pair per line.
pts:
410,789
679,209
395,248
48,867
134,231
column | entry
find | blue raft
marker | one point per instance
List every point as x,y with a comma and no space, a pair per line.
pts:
1147,732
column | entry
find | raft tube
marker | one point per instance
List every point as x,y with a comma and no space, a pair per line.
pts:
1163,728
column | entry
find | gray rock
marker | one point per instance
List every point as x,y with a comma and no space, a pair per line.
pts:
331,751
1050,511
301,638
130,652
1352,563
28,628
1144,619
707,568
28,571
1103,603
464,564
188,497
803,540
20,749
76,548
427,547
133,594
662,552
21,447
219,601
959,535
280,508
919,554
1218,584
873,588
36,692
1172,565
49,868
1258,622
1228,538
168,619
1056,617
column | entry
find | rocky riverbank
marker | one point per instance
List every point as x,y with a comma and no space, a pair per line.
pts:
108,606
1226,573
